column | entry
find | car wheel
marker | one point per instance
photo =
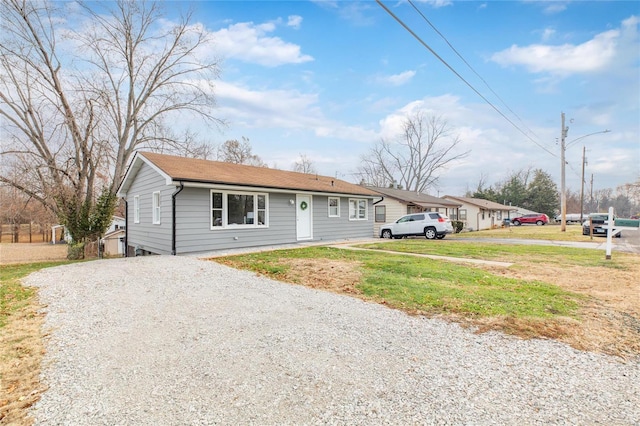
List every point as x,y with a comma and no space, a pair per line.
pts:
440,236
516,222
386,234
539,223
430,233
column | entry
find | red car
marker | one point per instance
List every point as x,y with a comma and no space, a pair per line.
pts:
537,218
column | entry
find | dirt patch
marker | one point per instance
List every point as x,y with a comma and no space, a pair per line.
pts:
326,274
21,352
609,319
26,253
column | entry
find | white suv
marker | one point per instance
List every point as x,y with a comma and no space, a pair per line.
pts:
430,224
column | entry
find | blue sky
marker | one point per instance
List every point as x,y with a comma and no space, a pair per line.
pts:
328,79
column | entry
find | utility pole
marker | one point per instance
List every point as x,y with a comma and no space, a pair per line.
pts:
563,191
591,191
584,162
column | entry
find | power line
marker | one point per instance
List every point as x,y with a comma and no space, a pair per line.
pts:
462,78
470,67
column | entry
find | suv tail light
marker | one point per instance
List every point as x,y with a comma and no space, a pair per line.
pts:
441,219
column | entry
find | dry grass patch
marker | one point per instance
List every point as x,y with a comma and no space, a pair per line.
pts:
21,352
610,317
36,252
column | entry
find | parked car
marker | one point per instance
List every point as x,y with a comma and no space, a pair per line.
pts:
598,220
430,224
537,218
570,218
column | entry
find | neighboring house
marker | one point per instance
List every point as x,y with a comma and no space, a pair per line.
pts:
478,214
116,223
113,242
520,211
178,205
398,202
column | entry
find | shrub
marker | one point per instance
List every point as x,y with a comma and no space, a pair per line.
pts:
458,226
75,251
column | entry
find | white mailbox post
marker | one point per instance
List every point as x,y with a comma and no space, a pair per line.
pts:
617,226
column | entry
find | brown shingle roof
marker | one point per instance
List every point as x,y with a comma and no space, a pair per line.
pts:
216,172
415,197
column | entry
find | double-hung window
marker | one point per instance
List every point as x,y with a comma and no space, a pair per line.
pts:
381,213
357,209
156,208
136,209
334,207
238,209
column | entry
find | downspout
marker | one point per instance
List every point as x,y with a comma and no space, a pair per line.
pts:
173,219
126,228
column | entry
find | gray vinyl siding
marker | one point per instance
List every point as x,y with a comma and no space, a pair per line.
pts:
193,224
146,235
336,228
194,233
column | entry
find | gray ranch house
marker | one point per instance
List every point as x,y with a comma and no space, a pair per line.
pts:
478,214
178,205
399,202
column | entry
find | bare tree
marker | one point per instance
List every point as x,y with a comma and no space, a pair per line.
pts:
304,165
414,160
233,151
77,104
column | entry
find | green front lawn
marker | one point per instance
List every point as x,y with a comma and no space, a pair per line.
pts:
425,285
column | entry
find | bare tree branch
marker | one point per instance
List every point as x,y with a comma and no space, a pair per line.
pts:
414,161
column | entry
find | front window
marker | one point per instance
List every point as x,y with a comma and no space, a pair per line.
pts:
381,214
463,214
499,215
334,207
357,209
231,209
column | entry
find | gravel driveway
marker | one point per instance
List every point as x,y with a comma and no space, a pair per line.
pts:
174,340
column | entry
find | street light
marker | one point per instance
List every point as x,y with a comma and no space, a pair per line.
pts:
563,148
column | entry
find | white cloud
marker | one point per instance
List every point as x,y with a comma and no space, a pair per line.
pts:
294,21
285,109
593,55
555,7
249,42
396,79
437,3
547,34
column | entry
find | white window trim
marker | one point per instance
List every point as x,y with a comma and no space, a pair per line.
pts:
366,210
136,209
225,218
329,206
155,208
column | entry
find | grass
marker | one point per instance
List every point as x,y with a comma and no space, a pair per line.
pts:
14,296
428,286
21,346
500,252
568,294
547,232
